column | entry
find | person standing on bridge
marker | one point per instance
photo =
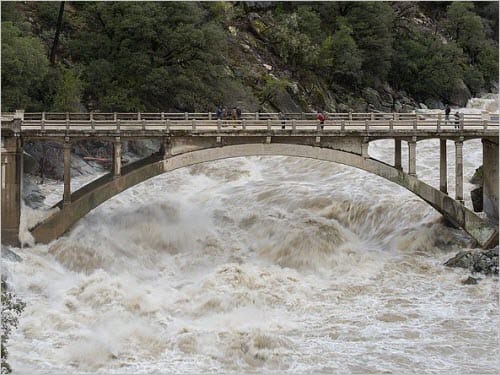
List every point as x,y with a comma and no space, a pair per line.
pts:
238,113
457,120
282,117
447,114
321,119
218,113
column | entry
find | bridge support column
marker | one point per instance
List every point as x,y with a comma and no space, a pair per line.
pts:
397,154
459,171
490,179
364,148
67,171
12,177
443,167
117,157
412,157
166,147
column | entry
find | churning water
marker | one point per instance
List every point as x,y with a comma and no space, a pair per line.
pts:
260,264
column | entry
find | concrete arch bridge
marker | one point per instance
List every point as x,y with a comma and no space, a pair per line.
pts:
188,139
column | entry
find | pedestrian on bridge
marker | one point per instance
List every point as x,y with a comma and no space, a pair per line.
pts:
282,117
457,120
321,119
218,113
447,114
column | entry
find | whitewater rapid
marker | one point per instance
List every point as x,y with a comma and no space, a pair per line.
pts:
259,264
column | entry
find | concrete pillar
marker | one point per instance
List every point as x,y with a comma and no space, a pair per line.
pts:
490,179
67,171
397,154
117,157
459,171
412,157
364,148
443,167
166,147
12,177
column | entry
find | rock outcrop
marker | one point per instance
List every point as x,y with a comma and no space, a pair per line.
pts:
483,261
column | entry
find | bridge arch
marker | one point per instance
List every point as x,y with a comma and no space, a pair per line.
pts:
92,195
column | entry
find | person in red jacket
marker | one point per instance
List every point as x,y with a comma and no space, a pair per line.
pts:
321,119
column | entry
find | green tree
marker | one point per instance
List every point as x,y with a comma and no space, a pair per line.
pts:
67,98
346,55
466,28
425,67
24,67
371,23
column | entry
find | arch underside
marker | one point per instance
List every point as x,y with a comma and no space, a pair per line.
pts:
104,188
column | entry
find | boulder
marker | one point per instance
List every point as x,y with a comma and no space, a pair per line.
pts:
30,164
483,261
477,177
469,281
477,199
372,97
460,95
434,104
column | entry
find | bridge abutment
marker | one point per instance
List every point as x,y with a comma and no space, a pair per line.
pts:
12,175
490,179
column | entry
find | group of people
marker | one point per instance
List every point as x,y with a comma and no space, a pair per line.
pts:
221,113
456,116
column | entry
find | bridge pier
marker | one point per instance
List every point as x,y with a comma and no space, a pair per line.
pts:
490,179
12,176
117,157
443,167
397,154
67,171
412,157
459,171
166,147
364,148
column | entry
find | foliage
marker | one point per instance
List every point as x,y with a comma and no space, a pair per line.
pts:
426,65
24,66
271,89
294,35
346,56
12,307
67,98
188,56
372,26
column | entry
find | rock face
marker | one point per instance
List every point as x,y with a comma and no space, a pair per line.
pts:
477,199
484,261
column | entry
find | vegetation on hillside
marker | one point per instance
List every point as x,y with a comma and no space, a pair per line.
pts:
189,56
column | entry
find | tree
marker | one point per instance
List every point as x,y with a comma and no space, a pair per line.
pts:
347,62
24,66
371,23
425,67
466,28
67,97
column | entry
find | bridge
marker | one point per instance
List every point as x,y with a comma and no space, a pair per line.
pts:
192,138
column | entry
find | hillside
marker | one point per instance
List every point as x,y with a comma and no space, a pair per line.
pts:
267,56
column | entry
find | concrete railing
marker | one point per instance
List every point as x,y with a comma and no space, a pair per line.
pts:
251,121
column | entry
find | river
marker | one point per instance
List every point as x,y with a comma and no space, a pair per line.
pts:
259,264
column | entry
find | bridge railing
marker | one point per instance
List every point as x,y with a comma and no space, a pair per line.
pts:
96,121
